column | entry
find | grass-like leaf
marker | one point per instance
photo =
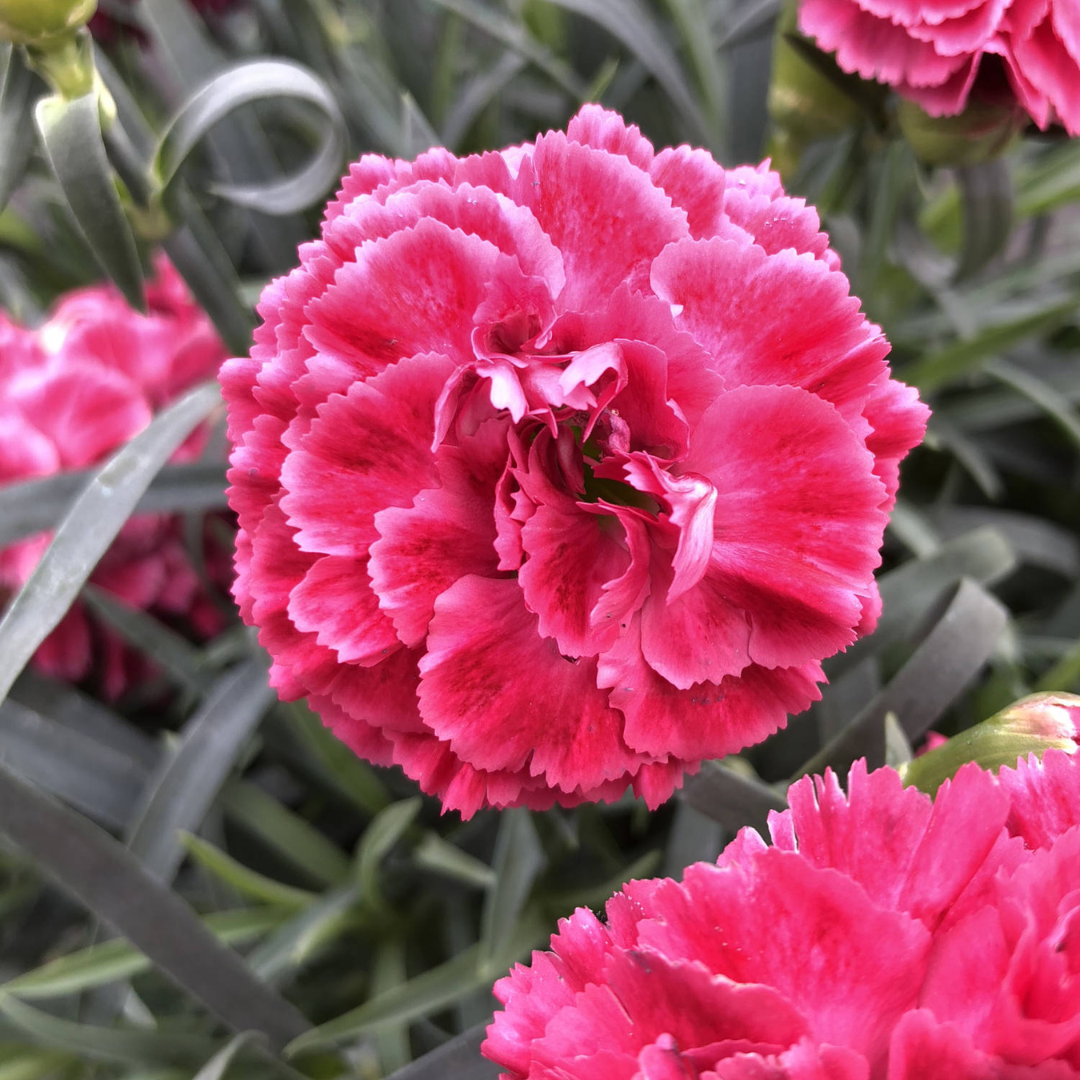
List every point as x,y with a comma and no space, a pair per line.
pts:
519,861
963,357
90,527
110,961
16,124
424,994
733,798
71,763
459,1059
178,797
631,23
947,659
98,871
33,506
379,838
139,1048
242,879
243,84
287,833
71,133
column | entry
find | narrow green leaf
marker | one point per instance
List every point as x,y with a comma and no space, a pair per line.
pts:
245,881
895,171
243,84
596,896
1053,182
352,778
908,592
1064,674
911,526
516,36
219,1064
966,451
181,661
753,19
959,643
478,94
16,124
441,857
238,148
99,965
389,974
88,863
1055,405
78,713
458,1059
34,506
197,253
138,1048
434,989
71,764
732,795
181,793
694,837
379,837
630,22
955,361
71,133
897,747
519,861
90,527
1035,541
297,940
692,22
287,833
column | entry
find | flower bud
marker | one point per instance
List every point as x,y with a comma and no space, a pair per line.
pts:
1033,724
31,22
982,132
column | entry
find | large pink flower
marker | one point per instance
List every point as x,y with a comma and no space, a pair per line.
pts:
561,468
881,937
72,391
932,50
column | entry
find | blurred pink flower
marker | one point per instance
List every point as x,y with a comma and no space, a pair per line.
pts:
72,391
932,50
107,27
882,936
561,468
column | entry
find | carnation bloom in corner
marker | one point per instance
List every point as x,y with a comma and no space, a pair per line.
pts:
882,936
562,468
72,391
933,51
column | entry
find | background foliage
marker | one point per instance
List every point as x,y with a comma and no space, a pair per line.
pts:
201,879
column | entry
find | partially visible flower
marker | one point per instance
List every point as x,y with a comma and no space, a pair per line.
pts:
1034,724
562,468
935,51
71,392
881,937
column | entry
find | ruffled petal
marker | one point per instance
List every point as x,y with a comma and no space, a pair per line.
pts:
778,319
368,450
604,215
555,722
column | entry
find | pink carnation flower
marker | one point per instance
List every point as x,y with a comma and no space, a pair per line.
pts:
71,392
932,50
561,468
881,937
